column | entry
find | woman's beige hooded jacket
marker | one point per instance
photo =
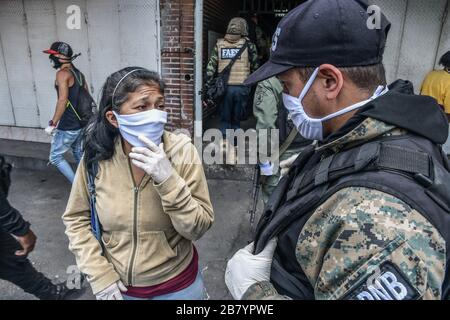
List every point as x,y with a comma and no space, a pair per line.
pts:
148,229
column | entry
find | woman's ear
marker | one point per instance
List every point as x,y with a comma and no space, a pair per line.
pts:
112,119
332,81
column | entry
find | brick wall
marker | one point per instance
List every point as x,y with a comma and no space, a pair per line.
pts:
177,58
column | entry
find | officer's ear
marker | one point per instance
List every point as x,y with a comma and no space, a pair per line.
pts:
331,81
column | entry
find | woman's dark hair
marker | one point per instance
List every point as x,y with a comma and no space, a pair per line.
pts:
445,60
99,136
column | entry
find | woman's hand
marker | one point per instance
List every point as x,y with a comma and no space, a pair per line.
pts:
152,160
113,292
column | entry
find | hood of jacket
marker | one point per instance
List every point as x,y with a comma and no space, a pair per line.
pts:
398,109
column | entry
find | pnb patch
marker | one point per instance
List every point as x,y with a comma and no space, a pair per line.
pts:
229,53
387,284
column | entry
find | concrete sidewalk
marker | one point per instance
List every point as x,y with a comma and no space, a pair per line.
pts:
42,195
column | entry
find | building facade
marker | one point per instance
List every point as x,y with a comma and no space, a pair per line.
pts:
173,37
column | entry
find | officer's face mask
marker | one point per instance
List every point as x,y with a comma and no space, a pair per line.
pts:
148,123
312,129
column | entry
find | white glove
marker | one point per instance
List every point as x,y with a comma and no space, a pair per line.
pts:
266,168
286,164
50,130
246,269
113,292
152,160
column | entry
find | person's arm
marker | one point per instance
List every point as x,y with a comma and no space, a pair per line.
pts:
185,196
211,68
63,79
11,220
253,56
364,244
265,109
82,242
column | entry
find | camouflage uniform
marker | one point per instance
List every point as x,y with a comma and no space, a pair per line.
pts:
266,108
349,239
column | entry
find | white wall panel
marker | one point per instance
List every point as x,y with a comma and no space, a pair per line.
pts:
139,33
41,33
113,34
18,64
420,39
6,109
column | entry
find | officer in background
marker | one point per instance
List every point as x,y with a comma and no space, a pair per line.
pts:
271,114
234,103
364,214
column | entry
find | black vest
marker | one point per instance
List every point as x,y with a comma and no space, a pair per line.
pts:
411,168
69,120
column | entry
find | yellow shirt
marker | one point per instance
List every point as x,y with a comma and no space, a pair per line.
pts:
437,85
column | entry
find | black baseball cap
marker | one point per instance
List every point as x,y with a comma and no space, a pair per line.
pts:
325,31
61,48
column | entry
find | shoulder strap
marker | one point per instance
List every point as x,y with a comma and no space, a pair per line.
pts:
78,78
95,222
291,137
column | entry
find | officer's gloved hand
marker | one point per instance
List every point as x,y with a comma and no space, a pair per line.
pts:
245,269
266,168
113,292
287,164
153,160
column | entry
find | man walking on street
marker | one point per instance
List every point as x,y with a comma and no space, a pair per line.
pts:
65,125
364,214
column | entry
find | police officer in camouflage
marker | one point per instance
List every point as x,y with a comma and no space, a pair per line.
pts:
270,114
234,103
364,214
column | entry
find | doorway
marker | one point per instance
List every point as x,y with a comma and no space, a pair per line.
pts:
263,15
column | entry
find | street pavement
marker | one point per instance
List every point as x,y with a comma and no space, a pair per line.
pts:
41,196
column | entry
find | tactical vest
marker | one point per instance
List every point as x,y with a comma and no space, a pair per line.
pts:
411,168
241,68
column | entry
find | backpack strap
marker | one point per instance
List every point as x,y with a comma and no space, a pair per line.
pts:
95,222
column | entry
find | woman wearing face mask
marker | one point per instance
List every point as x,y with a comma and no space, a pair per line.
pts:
152,198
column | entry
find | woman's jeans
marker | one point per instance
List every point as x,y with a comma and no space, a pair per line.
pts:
61,143
196,291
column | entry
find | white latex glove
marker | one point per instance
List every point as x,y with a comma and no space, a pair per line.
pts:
245,269
286,164
152,160
266,168
113,292
50,130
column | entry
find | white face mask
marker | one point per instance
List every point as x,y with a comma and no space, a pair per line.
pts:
308,127
148,123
